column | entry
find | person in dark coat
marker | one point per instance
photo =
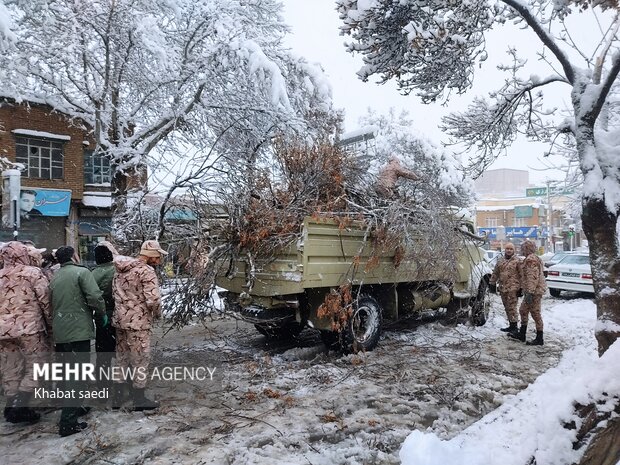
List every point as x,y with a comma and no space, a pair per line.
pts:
105,338
76,298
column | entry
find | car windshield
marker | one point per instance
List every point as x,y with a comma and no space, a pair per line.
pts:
558,257
575,260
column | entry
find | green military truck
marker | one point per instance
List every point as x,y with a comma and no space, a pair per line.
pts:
334,279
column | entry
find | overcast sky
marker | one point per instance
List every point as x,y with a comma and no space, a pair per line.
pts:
315,35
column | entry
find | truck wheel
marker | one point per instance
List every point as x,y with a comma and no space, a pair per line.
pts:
481,305
555,292
286,331
363,329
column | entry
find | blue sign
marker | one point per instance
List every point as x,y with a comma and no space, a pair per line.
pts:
525,232
44,202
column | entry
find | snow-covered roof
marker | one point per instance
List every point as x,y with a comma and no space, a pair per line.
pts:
42,134
371,129
97,199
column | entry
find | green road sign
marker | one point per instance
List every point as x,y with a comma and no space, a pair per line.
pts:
535,191
542,191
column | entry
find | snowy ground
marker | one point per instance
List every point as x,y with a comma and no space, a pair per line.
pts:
298,405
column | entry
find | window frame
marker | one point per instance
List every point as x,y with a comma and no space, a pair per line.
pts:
492,222
49,156
99,162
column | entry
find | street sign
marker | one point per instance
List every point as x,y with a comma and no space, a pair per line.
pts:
535,191
510,232
542,191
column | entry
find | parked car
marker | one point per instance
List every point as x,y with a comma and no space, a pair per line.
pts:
492,256
572,273
554,260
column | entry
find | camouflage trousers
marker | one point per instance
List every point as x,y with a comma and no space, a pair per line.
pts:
17,358
510,300
133,350
532,309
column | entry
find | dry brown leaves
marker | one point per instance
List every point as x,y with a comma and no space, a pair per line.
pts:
337,307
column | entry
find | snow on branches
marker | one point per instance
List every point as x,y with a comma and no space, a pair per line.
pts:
427,46
141,72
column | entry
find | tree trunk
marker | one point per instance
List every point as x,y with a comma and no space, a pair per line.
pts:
602,431
599,226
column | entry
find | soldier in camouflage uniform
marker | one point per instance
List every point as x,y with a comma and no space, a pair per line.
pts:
137,303
36,257
25,328
388,177
534,286
505,278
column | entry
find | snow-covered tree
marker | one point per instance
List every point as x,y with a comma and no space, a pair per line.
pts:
442,172
189,73
432,48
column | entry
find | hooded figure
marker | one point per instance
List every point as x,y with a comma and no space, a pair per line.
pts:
25,326
36,256
534,286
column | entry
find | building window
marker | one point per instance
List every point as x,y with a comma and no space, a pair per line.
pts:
43,158
520,222
491,222
96,168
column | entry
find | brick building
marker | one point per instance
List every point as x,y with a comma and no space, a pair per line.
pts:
67,185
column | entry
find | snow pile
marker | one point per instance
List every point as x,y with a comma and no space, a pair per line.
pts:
530,423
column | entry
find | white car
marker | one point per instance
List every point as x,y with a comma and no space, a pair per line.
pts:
573,273
492,256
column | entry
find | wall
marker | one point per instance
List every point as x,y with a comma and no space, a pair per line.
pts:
42,118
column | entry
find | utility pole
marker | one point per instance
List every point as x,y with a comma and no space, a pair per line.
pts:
549,218
11,187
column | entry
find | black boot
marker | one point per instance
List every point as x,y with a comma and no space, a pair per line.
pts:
520,335
141,402
119,394
512,328
18,412
538,341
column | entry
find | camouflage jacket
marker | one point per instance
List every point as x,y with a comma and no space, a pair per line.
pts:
136,294
506,274
532,276
25,304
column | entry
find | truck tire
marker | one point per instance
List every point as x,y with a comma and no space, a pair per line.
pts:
481,304
285,332
555,292
363,330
